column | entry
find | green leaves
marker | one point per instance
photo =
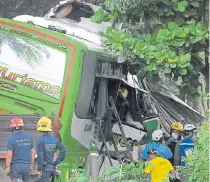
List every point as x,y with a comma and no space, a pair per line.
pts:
151,67
190,67
167,70
182,6
98,17
174,30
162,35
169,49
129,172
183,71
185,58
157,53
173,65
172,26
101,16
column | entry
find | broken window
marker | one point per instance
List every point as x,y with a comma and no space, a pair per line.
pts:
103,78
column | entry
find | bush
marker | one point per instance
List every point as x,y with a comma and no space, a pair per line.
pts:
126,172
197,168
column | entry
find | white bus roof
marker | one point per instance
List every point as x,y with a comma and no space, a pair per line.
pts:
84,31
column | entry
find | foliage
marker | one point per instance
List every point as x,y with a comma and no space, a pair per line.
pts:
77,175
205,96
125,172
197,168
131,172
156,50
101,16
163,35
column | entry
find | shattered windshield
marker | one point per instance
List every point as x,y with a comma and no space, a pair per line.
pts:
32,64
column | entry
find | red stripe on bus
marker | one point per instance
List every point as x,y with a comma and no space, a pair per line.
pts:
67,83
70,64
2,156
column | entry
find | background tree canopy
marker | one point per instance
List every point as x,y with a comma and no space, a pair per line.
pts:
166,39
11,8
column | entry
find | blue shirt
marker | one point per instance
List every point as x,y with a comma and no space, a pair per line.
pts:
20,144
163,150
185,147
46,146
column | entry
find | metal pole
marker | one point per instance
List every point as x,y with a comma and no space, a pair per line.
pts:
93,166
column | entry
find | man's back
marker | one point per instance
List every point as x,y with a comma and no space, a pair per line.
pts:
171,144
46,147
163,150
47,144
186,146
159,169
20,144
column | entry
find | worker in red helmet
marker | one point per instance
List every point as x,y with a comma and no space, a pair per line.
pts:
20,152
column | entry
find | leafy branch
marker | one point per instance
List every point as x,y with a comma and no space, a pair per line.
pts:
159,51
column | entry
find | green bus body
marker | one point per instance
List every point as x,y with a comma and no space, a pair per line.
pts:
44,72
25,100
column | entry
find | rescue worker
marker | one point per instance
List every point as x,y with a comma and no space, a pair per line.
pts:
122,103
163,151
158,167
175,136
20,152
184,147
46,146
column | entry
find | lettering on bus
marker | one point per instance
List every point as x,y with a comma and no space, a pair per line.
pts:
88,128
25,80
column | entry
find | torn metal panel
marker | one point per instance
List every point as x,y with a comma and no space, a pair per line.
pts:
172,109
115,71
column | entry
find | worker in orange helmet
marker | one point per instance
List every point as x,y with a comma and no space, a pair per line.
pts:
20,152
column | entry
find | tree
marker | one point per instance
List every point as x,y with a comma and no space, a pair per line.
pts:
167,37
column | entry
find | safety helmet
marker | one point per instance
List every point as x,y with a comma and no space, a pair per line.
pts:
189,127
124,92
157,135
189,130
177,126
44,124
16,122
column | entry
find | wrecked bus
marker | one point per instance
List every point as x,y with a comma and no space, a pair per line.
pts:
60,70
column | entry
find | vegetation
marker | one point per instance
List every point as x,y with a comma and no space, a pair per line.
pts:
126,172
168,37
197,168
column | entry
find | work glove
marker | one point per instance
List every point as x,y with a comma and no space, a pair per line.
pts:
7,170
32,168
39,174
171,139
